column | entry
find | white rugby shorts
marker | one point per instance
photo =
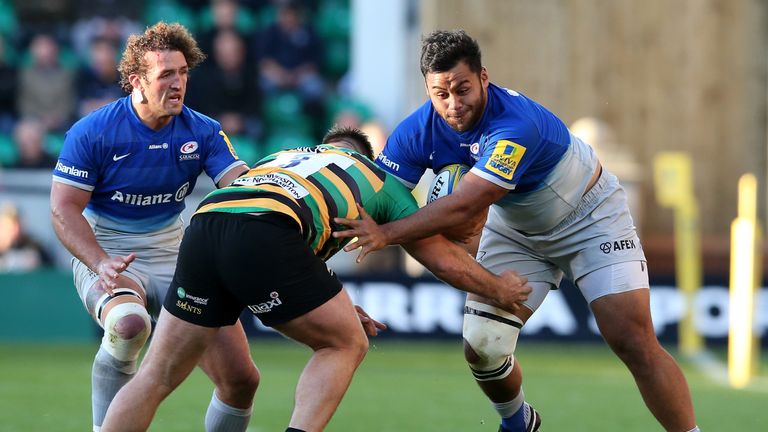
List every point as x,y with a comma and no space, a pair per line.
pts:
153,268
598,234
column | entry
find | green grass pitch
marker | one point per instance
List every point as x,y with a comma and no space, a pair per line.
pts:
401,386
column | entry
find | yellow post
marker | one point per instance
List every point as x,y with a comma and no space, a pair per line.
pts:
746,271
673,178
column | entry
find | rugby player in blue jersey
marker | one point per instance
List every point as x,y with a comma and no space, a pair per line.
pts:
552,212
118,190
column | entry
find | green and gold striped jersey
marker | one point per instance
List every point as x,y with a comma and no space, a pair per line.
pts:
313,185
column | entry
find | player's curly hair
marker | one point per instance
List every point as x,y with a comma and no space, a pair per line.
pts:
356,136
160,37
441,50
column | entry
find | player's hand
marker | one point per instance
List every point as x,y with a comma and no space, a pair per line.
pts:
370,236
110,268
514,291
370,325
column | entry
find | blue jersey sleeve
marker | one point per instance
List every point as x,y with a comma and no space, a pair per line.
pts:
77,164
406,154
506,157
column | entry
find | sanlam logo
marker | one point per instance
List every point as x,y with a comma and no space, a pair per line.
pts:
71,170
392,165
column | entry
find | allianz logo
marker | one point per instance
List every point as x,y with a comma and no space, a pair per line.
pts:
138,199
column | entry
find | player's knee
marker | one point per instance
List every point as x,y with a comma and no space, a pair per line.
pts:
490,337
359,346
129,326
126,329
241,387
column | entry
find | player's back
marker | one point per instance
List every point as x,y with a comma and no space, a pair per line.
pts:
313,185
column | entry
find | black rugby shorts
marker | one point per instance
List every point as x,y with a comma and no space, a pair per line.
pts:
229,262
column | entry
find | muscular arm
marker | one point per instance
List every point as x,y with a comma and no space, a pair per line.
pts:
452,264
472,197
466,204
74,232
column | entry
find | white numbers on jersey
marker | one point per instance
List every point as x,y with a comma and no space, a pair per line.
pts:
306,164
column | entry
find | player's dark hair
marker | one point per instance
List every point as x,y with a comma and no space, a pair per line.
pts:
352,135
160,37
441,50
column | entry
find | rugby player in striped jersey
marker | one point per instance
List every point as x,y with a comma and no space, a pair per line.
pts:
261,243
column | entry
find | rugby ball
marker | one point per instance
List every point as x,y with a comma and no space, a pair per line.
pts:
446,180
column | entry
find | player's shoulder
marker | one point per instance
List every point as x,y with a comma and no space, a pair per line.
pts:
102,118
511,115
198,121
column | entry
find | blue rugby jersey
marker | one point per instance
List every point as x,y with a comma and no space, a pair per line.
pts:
139,177
516,143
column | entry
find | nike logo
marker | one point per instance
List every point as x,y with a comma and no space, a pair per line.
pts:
117,158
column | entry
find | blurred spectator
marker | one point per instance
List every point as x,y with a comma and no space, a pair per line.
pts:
18,251
290,55
113,20
46,88
114,28
225,15
29,137
98,83
226,89
349,112
8,84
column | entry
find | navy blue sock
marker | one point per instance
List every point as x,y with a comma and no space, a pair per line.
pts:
516,422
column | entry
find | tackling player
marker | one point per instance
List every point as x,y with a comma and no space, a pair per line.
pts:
261,243
118,190
553,212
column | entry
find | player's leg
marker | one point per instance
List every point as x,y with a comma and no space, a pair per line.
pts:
126,325
334,333
490,334
624,319
490,339
197,294
176,349
228,363
611,272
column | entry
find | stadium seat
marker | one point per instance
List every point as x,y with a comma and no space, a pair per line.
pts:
8,152
170,11
336,58
245,21
287,139
286,110
9,23
333,19
337,105
53,143
247,149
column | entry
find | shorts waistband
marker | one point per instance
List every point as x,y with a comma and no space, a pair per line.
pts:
272,217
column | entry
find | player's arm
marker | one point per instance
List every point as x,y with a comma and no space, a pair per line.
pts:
452,264
465,205
74,232
231,175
